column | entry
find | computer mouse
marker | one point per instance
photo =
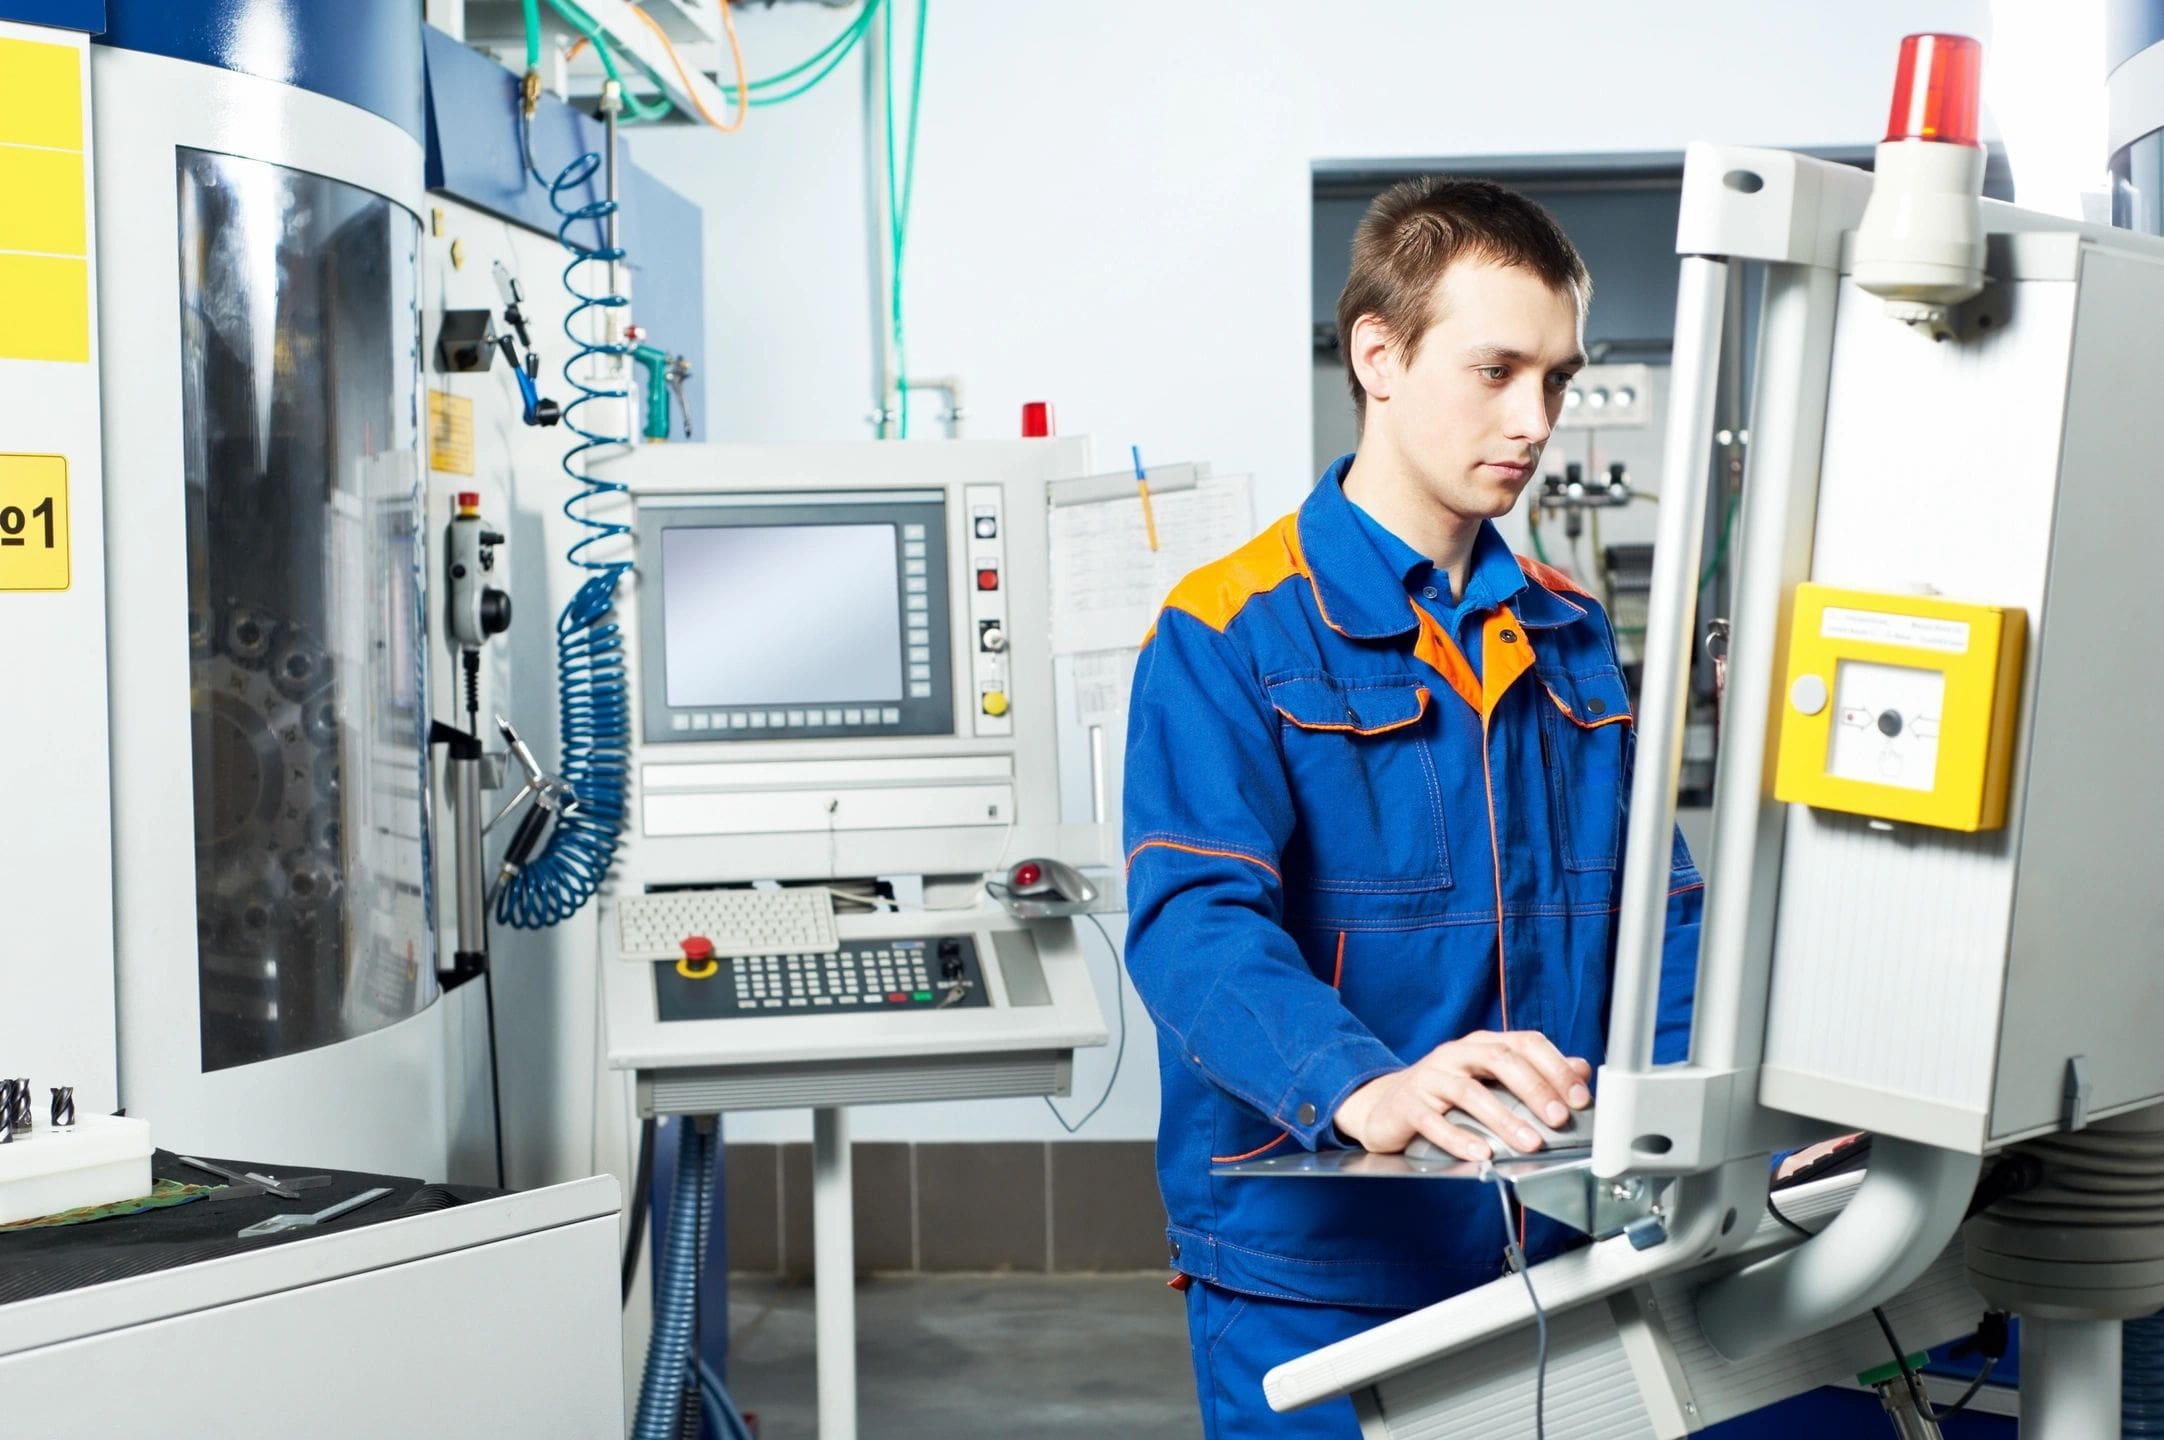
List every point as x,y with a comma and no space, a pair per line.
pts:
1044,878
1576,1131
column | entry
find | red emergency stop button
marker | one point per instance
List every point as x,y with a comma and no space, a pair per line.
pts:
698,962
987,579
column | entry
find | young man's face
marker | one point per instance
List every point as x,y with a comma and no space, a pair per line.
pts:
1469,411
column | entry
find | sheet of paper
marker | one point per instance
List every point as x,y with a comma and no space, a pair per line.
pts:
1107,583
1102,680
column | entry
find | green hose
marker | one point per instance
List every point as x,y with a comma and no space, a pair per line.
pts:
759,101
824,60
635,109
1720,548
901,189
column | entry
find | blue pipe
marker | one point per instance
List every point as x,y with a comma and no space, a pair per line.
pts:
676,1288
593,695
2141,1381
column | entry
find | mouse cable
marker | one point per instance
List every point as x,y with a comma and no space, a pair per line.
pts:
1119,1055
1515,1253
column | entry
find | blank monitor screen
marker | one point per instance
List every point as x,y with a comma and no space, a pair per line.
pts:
781,614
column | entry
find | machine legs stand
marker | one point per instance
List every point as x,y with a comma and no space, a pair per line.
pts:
2069,1379
834,1269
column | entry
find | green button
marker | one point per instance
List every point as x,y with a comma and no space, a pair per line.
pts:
924,995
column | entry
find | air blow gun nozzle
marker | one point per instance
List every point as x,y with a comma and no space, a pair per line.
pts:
551,796
507,286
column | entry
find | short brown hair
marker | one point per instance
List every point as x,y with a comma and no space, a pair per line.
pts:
1417,229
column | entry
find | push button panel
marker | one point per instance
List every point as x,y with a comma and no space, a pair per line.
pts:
864,976
1887,731
990,695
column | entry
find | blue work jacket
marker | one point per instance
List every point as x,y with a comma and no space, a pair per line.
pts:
1346,845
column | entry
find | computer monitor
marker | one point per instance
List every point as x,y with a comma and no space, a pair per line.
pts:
782,618
839,661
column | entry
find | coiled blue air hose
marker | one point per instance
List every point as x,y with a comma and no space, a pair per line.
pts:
676,1287
593,700
2141,1379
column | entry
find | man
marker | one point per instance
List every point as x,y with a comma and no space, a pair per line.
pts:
1376,782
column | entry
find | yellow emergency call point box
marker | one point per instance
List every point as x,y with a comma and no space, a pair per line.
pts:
1900,707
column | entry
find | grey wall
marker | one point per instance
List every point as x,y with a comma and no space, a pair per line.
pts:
1621,232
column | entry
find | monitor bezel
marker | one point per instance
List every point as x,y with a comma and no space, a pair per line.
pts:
916,715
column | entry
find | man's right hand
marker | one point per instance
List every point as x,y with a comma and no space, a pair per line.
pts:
1385,1114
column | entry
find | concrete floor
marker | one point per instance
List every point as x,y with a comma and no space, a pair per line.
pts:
958,1357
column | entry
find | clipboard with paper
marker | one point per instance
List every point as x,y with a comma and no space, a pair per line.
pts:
1107,581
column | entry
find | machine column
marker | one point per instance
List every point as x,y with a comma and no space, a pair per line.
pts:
2069,1379
834,1264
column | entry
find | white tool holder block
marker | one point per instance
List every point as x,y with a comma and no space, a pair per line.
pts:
102,1158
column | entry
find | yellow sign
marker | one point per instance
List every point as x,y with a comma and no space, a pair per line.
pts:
44,232
41,102
33,522
450,433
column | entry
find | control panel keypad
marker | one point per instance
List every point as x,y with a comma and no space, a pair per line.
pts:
864,976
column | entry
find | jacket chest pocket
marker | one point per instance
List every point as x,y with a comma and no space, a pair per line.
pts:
1368,807
1585,730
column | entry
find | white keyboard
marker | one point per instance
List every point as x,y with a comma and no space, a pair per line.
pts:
739,922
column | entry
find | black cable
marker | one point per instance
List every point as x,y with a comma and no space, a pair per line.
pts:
641,1192
1119,1055
1909,1376
495,1084
1516,1254
471,664
1915,1381
702,1212
525,145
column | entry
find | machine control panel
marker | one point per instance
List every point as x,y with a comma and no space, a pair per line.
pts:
940,972
990,694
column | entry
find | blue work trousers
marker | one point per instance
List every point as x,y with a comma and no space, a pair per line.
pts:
1237,1339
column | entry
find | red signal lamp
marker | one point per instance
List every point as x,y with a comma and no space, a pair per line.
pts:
1936,90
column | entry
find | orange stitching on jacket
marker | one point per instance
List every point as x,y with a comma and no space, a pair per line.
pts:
1572,715
1495,849
1340,974
1413,719
1258,1150
1200,850
1299,558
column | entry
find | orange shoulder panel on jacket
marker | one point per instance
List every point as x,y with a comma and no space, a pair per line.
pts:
1216,592
1551,577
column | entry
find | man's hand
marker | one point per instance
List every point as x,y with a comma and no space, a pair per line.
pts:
1386,1113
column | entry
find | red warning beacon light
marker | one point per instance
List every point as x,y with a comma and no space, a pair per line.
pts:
1936,90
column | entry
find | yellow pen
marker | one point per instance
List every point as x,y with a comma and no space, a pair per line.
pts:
1142,484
